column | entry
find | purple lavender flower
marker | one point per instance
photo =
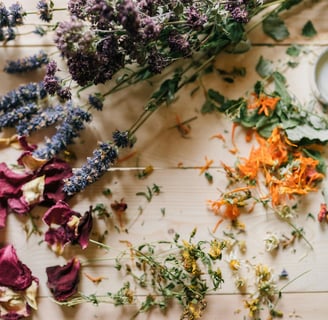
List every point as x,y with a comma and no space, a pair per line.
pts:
122,139
96,101
66,132
4,16
45,10
95,167
42,119
27,64
10,118
16,14
31,92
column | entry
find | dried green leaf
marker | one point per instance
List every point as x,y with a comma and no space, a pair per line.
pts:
275,27
264,67
308,30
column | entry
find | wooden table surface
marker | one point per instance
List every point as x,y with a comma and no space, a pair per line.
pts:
184,191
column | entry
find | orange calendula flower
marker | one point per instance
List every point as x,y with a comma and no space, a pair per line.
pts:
206,166
263,103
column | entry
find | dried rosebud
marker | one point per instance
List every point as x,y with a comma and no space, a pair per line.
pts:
63,280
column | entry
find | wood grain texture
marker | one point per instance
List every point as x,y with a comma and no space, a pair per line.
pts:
185,192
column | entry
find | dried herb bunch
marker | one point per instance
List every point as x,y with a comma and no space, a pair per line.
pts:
184,271
117,43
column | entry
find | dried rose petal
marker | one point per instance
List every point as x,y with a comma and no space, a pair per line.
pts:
63,280
57,239
18,304
55,171
13,273
84,229
59,214
67,225
41,183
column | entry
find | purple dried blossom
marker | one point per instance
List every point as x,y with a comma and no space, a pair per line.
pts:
156,61
42,119
77,8
68,35
100,13
27,64
150,29
10,118
128,16
45,10
238,10
178,44
51,68
66,132
64,94
25,94
51,84
195,19
95,167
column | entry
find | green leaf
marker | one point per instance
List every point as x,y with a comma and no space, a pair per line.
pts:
294,50
308,30
280,87
235,31
216,96
264,67
208,107
306,133
275,27
286,5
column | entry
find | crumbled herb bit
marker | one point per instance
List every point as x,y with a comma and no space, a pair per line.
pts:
309,30
294,50
154,190
107,192
145,172
163,212
208,177
101,210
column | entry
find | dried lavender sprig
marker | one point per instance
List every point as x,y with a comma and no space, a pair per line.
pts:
42,119
27,64
96,166
10,118
45,9
31,92
66,132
